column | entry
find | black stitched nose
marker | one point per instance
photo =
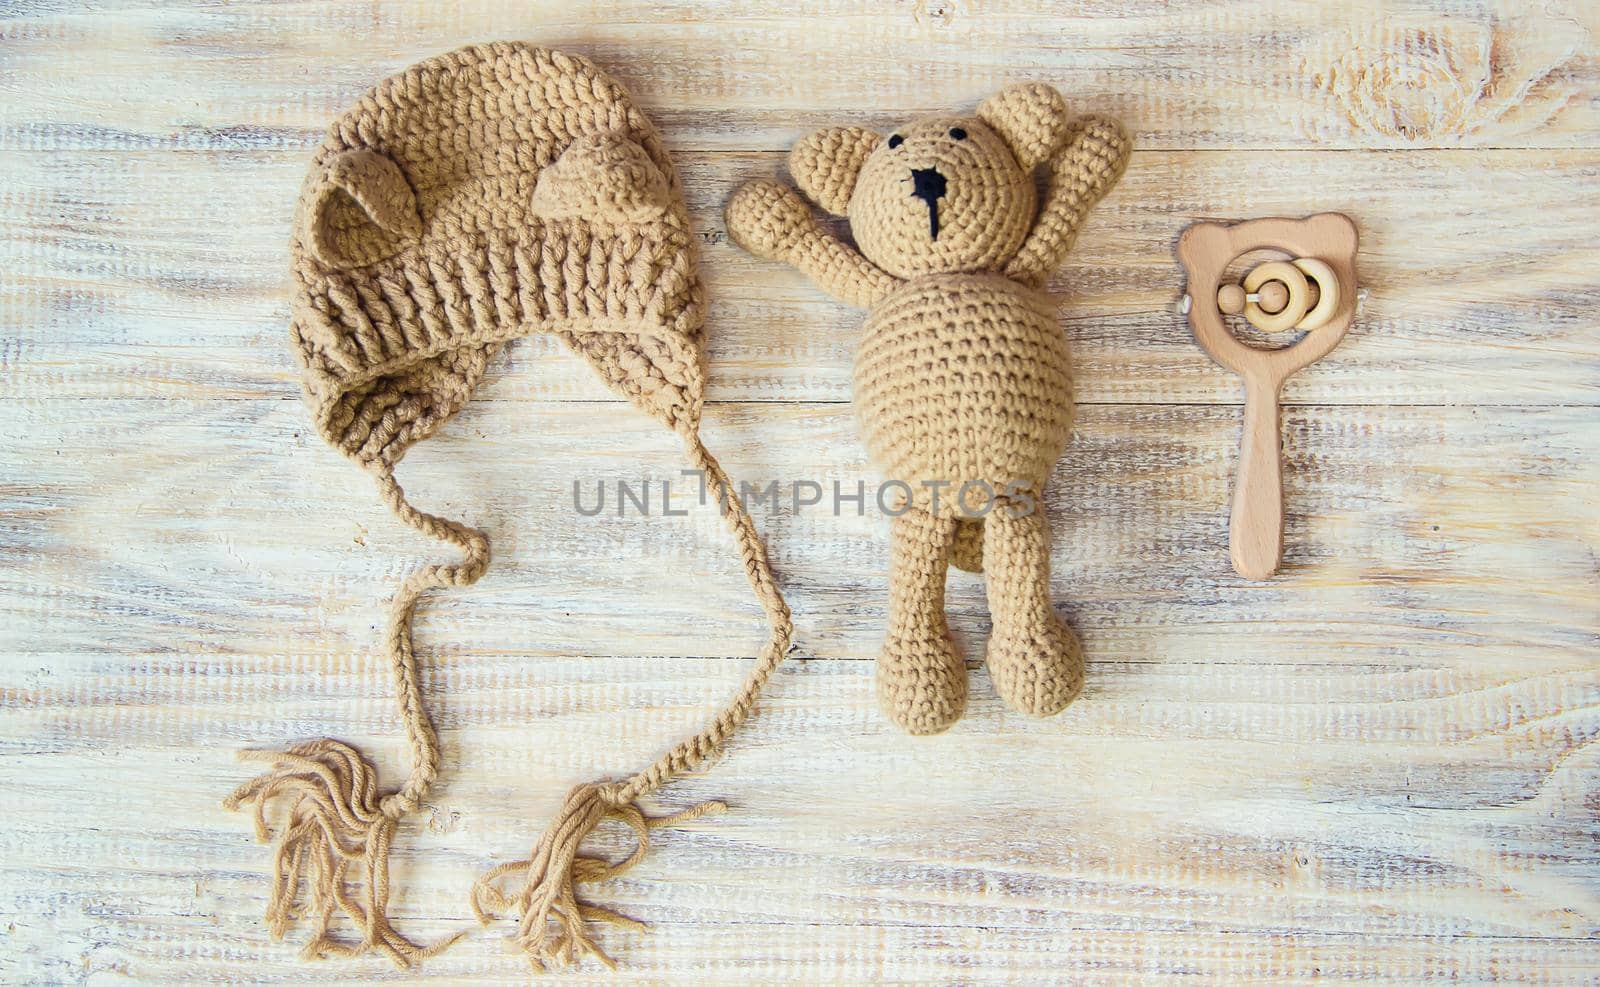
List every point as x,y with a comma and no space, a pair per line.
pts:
929,186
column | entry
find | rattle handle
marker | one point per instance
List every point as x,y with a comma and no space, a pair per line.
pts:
1255,533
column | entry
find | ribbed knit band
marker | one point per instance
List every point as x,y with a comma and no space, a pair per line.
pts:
410,341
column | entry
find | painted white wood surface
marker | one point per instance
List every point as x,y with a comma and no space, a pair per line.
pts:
1380,766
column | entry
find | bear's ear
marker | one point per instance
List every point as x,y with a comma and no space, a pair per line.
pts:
825,164
608,178
358,210
1030,117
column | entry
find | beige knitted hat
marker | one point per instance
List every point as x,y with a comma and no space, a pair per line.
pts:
495,192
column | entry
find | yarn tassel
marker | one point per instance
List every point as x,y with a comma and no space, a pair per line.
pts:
552,925
552,928
335,820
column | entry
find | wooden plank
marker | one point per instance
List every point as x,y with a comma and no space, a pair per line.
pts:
1300,74
1418,537
178,285
1182,816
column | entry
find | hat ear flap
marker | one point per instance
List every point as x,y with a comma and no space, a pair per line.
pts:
359,210
1030,117
826,164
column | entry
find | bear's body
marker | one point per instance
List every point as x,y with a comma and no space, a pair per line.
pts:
964,381
962,374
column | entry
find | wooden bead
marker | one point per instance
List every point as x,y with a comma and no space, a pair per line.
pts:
1299,296
1274,297
1230,299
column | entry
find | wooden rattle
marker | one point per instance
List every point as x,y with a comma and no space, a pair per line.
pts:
1314,293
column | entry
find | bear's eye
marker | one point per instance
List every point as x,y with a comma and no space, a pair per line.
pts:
958,134
895,140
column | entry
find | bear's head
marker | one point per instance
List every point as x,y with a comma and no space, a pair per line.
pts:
944,194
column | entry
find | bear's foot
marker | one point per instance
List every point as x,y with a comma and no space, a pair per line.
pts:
922,683
1037,668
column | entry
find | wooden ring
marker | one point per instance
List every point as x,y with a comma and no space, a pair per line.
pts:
1327,292
1299,296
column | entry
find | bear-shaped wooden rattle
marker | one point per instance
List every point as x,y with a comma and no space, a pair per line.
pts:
1314,293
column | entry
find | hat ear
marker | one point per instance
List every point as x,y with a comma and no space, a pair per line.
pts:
1030,117
826,164
359,210
602,177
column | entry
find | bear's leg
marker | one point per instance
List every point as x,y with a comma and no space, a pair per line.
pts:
1034,658
922,682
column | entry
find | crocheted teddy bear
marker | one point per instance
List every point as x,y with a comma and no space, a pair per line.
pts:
962,380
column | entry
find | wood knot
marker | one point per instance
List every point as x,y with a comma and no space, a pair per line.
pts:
936,13
1410,86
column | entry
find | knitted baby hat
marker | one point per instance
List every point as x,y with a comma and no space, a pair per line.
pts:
494,192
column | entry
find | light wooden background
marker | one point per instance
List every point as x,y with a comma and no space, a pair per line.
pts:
1380,766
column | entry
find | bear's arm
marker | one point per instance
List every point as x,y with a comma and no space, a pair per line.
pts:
1081,173
771,220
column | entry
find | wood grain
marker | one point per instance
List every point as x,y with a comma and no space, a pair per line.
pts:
1379,766
724,76
1265,815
